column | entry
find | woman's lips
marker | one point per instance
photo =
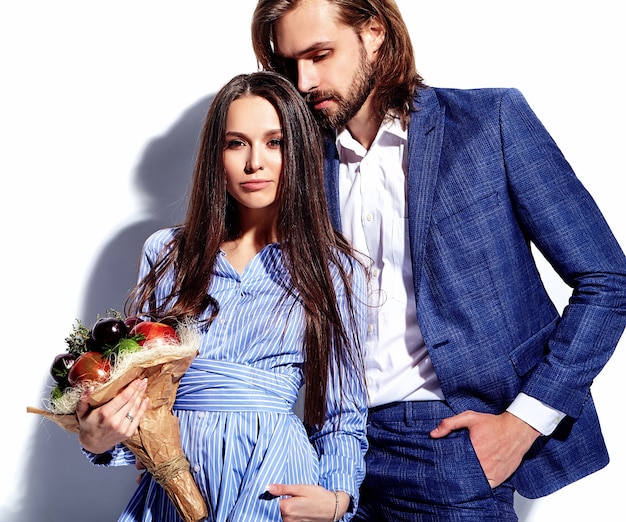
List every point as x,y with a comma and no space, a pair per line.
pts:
255,184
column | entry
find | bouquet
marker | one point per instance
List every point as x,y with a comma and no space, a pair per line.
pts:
110,356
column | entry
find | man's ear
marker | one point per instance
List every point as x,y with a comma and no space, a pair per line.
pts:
373,35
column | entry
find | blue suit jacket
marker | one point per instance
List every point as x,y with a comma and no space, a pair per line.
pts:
485,180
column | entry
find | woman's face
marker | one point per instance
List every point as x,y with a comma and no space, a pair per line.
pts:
253,153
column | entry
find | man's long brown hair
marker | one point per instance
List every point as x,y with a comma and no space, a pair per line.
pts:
395,72
309,245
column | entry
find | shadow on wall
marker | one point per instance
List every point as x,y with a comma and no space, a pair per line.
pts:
61,485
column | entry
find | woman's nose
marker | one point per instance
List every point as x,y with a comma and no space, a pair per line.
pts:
254,163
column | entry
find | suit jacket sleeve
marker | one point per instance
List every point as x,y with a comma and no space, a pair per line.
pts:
561,218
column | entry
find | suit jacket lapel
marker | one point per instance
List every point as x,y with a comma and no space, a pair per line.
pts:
424,148
331,184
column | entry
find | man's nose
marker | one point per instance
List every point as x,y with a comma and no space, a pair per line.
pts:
307,76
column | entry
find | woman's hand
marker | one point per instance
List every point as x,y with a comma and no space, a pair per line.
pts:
307,503
103,427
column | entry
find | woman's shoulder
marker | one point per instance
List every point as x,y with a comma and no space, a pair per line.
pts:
159,239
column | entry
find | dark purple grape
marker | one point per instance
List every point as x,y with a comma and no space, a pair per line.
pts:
91,345
108,331
61,367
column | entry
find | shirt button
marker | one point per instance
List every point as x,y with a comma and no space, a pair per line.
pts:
370,328
196,468
222,321
375,272
201,415
369,216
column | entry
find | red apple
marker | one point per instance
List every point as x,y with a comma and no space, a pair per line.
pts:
154,333
89,367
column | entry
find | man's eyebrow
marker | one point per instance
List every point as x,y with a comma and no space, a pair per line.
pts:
314,47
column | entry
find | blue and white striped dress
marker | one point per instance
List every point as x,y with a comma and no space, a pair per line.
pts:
234,404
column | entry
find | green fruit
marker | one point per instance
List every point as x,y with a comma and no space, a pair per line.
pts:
127,345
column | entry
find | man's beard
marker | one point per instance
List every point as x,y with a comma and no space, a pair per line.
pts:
348,105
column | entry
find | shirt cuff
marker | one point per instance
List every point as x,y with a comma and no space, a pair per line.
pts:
120,455
540,416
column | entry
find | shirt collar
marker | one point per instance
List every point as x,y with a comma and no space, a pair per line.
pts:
390,126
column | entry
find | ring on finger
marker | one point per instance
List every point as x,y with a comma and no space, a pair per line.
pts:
129,417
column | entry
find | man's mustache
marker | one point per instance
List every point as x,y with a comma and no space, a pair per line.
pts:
316,96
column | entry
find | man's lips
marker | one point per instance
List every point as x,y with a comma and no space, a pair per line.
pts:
320,103
319,100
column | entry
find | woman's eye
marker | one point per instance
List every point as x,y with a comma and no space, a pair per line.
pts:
233,144
276,142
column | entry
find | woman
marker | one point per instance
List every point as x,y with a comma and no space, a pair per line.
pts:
280,302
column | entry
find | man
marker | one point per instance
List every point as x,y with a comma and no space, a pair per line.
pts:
478,386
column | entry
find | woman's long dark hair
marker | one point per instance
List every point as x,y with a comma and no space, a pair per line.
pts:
307,240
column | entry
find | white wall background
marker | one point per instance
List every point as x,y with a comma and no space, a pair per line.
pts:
100,107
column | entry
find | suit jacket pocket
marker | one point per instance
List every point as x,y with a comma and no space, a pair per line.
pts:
528,354
465,212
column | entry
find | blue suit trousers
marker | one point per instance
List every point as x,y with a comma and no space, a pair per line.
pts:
413,477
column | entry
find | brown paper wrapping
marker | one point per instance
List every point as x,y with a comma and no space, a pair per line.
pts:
156,442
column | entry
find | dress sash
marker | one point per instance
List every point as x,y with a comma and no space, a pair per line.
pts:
210,385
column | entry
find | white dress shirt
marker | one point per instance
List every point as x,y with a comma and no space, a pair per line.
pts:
372,188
